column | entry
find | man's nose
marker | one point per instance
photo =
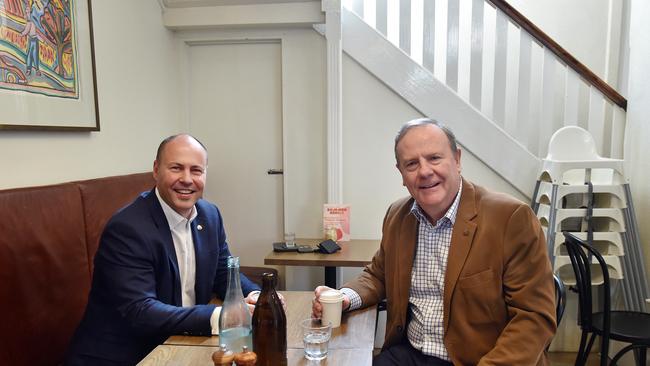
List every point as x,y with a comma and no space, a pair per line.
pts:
186,176
425,168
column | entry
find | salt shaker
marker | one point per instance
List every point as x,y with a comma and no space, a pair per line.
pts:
223,356
246,357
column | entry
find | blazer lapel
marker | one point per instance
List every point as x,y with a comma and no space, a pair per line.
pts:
158,216
201,256
461,242
407,245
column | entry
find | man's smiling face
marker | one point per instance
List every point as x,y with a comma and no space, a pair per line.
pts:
430,169
180,173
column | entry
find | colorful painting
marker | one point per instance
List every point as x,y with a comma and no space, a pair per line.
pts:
38,47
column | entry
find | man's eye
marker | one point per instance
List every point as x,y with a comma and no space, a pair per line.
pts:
175,168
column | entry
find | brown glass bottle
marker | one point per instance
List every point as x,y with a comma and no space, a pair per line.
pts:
269,325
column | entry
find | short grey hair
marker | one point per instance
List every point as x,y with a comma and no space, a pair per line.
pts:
423,122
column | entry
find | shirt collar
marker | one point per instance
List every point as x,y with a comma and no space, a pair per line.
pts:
450,215
173,217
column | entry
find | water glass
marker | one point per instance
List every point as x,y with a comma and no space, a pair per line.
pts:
316,338
290,239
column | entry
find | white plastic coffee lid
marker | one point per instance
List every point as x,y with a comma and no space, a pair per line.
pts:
331,296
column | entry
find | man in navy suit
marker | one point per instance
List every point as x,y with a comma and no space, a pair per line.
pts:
159,261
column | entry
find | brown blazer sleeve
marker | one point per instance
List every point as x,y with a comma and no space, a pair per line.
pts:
388,275
370,283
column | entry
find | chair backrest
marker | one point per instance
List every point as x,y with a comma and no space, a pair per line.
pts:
572,143
581,255
255,274
560,298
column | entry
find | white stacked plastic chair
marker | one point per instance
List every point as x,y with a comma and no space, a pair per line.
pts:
560,198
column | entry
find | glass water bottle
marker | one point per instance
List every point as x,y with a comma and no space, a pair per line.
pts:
235,319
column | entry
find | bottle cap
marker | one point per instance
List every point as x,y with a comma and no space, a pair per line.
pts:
331,296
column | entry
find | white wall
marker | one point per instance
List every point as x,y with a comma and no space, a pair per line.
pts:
137,78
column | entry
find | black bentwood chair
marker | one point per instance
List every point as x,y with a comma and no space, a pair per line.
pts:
560,298
625,326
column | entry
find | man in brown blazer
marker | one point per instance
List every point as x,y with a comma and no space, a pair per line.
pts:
464,271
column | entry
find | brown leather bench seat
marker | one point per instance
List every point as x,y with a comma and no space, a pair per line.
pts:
48,237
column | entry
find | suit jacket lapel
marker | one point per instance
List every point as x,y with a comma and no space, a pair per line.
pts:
158,216
461,242
407,242
201,256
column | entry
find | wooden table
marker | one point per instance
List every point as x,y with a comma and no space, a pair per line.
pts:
354,253
189,355
351,343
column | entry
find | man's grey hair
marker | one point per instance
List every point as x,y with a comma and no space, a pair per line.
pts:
423,122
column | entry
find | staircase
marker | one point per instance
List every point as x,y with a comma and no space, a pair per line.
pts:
489,73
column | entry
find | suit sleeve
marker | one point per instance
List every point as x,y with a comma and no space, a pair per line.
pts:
528,291
370,284
126,276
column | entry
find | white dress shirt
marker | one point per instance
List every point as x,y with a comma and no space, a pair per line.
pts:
181,230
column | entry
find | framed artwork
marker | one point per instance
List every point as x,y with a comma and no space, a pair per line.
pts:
47,66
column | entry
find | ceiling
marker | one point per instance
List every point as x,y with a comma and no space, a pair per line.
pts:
197,3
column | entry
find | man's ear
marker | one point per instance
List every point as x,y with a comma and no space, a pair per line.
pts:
155,169
457,157
400,172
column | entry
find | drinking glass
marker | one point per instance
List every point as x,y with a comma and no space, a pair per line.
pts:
316,338
290,239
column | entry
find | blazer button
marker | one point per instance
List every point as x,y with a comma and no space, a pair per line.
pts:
399,328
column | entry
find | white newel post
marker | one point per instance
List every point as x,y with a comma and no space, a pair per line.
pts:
333,30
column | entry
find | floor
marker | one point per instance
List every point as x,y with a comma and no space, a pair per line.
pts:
567,359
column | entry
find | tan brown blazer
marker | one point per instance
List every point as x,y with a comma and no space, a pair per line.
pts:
499,302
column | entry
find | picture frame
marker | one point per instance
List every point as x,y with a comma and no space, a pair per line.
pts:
56,91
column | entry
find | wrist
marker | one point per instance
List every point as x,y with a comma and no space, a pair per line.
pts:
346,303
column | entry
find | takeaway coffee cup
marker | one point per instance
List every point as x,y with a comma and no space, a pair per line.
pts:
332,302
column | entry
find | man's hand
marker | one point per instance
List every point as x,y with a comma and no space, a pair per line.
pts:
317,308
252,297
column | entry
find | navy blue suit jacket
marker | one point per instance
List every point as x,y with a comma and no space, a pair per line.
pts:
135,298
